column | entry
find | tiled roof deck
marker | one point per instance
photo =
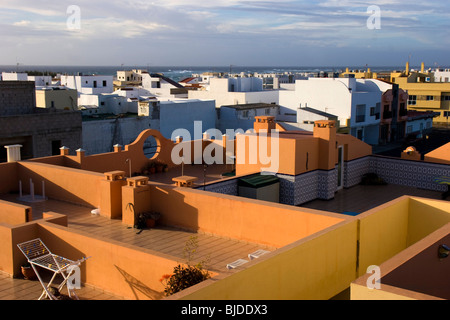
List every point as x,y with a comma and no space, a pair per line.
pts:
361,198
218,251
21,289
212,173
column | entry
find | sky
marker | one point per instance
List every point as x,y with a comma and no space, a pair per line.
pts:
224,32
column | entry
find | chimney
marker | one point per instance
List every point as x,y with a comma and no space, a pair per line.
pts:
13,152
422,68
64,151
325,131
264,123
407,68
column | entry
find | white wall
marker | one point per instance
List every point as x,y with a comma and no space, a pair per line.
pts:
12,76
181,114
324,94
85,84
416,125
98,136
41,81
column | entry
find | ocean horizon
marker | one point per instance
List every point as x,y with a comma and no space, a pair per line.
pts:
178,73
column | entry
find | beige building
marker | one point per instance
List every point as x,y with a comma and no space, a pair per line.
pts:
57,97
424,93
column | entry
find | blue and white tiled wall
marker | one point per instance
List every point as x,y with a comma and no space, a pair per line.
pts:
409,173
354,170
229,187
295,190
320,184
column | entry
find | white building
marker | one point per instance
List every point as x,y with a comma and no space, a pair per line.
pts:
14,76
164,116
355,103
232,91
93,84
41,81
441,75
161,86
106,103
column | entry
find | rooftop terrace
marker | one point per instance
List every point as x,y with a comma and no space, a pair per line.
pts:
361,198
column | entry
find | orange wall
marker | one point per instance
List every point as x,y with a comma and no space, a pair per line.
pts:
8,172
439,155
302,154
124,270
66,184
13,213
238,218
354,148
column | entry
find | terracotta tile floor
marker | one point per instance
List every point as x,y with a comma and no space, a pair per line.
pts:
21,289
361,198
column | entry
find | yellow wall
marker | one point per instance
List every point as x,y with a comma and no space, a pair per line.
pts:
421,90
318,267
63,99
396,225
426,216
383,233
362,292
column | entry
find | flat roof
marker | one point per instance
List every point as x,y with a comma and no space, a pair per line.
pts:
250,106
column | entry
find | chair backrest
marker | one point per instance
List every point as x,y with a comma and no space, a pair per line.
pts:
33,249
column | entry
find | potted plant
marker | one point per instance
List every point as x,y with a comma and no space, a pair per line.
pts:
152,167
147,219
28,271
186,275
159,167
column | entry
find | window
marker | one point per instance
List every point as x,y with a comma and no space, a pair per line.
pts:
412,100
446,98
95,84
447,114
372,111
428,124
360,113
430,98
409,129
245,114
267,111
104,83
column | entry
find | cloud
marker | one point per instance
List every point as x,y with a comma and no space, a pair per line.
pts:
174,25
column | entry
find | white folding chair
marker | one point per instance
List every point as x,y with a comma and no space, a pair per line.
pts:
39,255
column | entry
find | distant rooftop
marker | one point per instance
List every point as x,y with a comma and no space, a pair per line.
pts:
250,106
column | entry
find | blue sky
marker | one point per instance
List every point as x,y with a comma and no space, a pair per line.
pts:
224,32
